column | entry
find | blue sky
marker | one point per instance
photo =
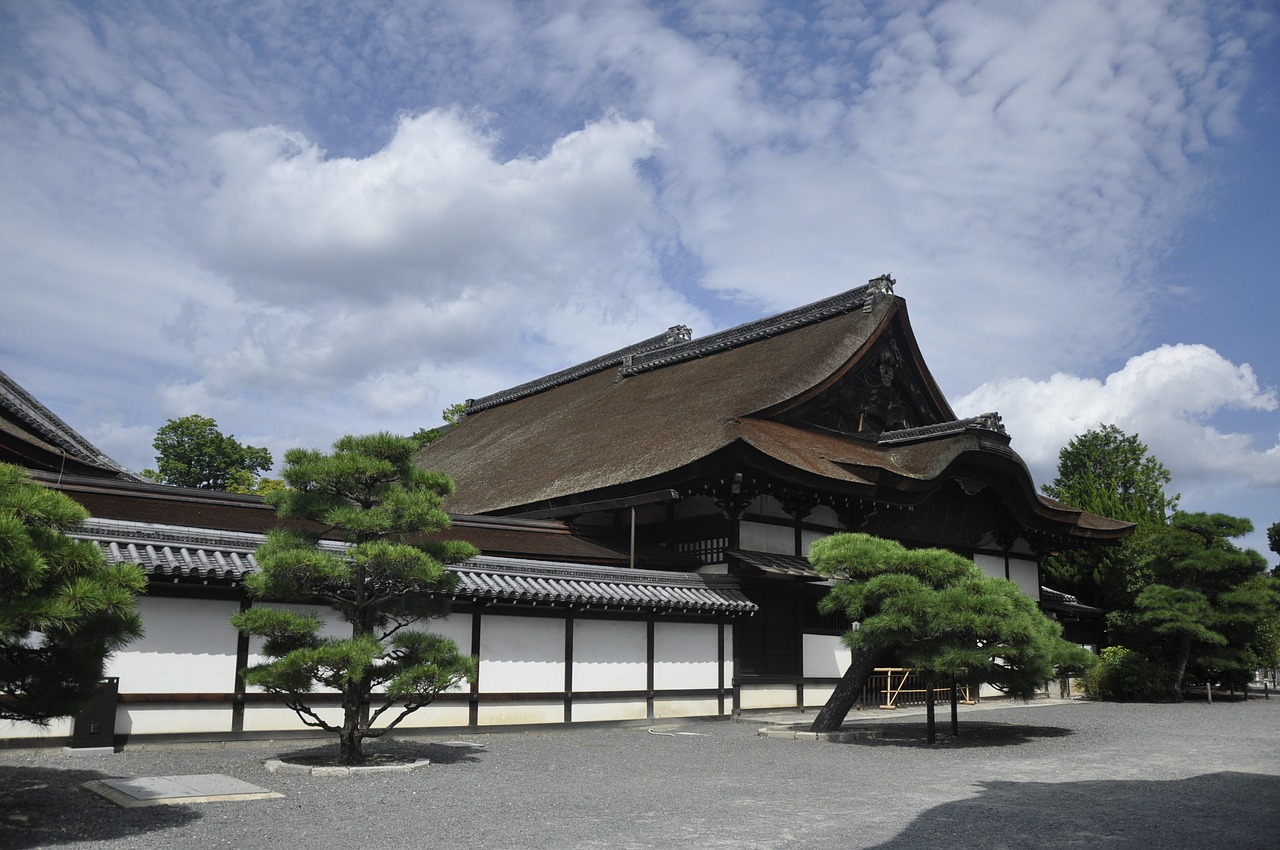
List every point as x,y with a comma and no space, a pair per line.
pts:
311,221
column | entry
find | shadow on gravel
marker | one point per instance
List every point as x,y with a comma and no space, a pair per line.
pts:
1225,811
972,735
384,753
45,807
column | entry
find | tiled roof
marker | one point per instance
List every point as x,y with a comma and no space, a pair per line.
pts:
773,564
40,422
207,556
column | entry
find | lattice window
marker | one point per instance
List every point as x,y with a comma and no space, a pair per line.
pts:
709,550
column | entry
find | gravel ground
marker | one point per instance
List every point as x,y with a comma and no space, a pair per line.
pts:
1062,775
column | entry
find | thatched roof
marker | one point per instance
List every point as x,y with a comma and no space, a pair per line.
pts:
834,397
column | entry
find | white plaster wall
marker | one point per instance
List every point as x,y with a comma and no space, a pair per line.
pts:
189,647
766,505
521,654
808,538
56,730
728,655
685,655
687,707
609,656
817,695
596,710
825,656
457,627
172,719
767,696
759,537
1026,575
510,714
991,565
824,515
434,715
272,717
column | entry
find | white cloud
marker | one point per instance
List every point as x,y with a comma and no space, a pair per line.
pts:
1173,398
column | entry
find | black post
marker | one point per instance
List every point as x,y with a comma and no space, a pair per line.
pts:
928,705
955,712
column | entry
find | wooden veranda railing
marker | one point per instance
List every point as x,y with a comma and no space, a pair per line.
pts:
892,687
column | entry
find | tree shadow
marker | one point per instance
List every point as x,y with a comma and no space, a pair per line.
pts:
972,735
386,752
1229,810
43,807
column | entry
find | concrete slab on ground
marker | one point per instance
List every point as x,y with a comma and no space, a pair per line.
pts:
172,790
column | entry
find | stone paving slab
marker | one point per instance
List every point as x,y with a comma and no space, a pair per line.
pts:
173,790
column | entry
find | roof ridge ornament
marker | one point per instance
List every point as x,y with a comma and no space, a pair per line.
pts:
877,289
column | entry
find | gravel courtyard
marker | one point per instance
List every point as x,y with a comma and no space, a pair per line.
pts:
1051,775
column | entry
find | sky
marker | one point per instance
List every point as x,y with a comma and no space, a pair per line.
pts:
313,219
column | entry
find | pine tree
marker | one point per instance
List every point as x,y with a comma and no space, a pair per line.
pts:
64,609
934,610
369,493
1210,604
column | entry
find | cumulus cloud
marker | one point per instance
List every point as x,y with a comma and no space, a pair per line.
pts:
1172,397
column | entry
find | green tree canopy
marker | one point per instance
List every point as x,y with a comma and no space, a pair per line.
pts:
1112,474
368,491
934,610
64,609
1210,605
192,452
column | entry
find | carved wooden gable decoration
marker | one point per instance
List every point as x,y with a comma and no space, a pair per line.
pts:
883,390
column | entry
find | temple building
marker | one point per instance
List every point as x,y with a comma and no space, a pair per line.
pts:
644,519
732,453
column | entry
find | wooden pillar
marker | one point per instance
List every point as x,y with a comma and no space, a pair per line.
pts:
473,706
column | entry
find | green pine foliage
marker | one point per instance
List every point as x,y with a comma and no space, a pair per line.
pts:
935,610
64,608
1210,611
367,492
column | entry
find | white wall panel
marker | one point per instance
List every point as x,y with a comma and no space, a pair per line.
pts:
685,655
825,657
759,537
991,565
189,647
521,654
609,655
1026,575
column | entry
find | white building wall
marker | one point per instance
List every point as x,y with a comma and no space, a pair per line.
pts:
762,537
1025,574
825,657
991,565
189,647
685,655
609,656
522,655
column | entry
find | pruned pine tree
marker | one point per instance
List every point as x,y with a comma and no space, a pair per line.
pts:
934,610
64,609
1211,605
367,492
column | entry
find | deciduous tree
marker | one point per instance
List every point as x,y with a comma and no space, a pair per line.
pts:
368,492
194,453
1112,474
63,609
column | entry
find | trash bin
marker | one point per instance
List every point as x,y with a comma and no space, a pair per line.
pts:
95,726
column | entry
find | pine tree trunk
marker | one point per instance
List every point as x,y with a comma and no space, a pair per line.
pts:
1180,666
350,741
847,691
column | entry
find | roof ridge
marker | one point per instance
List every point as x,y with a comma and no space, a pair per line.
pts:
865,297
981,422
672,336
51,427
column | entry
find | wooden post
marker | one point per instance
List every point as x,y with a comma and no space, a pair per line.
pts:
955,711
928,703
